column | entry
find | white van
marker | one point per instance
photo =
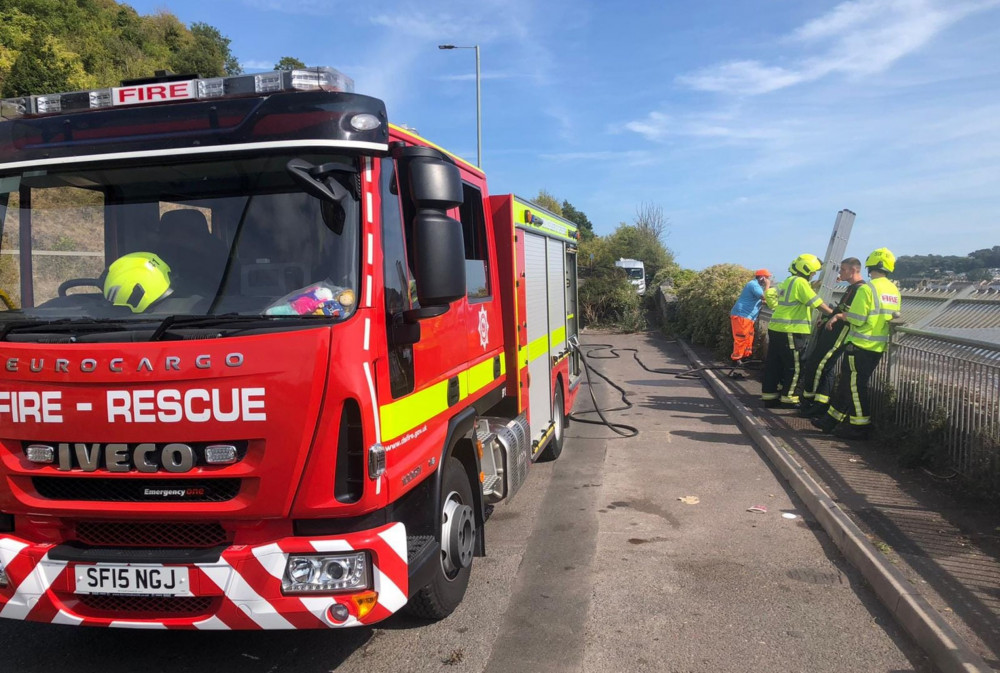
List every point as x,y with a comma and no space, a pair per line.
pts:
636,271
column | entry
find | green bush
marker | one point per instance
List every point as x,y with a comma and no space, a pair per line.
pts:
608,299
704,303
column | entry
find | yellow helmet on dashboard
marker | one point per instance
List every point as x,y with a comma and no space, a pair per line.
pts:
806,264
881,260
137,280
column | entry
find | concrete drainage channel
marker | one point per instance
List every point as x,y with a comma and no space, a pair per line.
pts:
925,625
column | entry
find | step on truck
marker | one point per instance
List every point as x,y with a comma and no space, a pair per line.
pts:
267,360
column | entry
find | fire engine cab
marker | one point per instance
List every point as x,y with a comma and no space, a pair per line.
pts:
267,360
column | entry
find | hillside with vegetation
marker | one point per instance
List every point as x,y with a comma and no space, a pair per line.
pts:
68,45
974,266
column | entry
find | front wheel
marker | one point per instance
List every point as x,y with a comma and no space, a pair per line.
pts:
439,599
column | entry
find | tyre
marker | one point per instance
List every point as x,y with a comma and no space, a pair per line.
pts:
439,599
555,445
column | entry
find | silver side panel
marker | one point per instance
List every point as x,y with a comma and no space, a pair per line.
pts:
537,317
557,296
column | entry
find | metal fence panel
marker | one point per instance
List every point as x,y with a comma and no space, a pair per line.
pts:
950,391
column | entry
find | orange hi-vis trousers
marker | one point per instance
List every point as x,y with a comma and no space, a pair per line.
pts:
742,337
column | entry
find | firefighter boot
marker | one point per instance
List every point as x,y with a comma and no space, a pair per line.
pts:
818,410
825,423
848,431
806,405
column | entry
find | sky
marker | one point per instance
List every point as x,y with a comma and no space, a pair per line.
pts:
751,123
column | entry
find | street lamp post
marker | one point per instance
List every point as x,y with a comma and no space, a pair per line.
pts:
479,108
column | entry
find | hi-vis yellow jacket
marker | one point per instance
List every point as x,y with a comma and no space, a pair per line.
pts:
869,314
796,301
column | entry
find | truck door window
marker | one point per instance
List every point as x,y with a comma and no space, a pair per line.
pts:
477,277
398,285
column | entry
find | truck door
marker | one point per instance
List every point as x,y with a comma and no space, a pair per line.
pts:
482,318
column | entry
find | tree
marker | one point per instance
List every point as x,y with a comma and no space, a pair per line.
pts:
976,275
577,217
289,63
548,202
634,242
703,305
206,53
40,68
69,45
649,218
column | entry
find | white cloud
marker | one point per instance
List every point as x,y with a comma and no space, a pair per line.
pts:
632,157
855,38
722,126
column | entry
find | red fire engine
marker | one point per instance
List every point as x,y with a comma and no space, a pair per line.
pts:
267,361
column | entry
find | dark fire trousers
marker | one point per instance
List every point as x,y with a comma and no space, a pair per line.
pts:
782,366
852,394
819,371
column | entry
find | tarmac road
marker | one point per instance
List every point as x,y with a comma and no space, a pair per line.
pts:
596,565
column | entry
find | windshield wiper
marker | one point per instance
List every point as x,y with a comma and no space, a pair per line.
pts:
225,319
61,325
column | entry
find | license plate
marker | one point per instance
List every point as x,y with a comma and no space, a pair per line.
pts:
132,580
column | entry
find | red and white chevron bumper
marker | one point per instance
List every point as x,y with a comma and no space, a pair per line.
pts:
242,590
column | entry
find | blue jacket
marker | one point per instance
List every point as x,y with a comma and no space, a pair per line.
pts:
748,304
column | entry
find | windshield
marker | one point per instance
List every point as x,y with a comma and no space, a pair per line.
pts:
635,274
205,238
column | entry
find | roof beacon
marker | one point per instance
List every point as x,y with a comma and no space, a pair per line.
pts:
194,88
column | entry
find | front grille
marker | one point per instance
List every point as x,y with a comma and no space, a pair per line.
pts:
155,606
148,534
136,490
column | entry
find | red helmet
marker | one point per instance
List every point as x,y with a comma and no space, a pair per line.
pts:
762,273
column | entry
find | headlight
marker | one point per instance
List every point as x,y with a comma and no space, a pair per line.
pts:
3,576
326,573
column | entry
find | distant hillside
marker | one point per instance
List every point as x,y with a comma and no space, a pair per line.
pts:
975,265
67,45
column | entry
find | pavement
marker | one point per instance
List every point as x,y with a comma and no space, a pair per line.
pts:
945,542
637,554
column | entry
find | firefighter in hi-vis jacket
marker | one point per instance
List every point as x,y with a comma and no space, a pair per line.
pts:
820,368
788,330
875,304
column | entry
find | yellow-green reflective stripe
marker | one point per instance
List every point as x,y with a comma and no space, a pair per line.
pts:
559,337
539,346
795,376
826,358
419,407
413,410
869,337
481,375
854,386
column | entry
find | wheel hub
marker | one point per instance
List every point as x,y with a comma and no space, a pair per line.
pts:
458,535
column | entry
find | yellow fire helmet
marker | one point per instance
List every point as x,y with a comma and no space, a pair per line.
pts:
137,280
806,264
881,260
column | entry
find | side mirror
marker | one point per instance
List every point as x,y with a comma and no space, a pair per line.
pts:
435,185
